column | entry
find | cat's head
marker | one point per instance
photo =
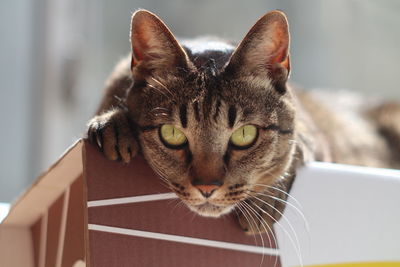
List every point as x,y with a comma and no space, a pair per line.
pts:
214,121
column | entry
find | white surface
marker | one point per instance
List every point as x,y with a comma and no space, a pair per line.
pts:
4,208
353,215
135,199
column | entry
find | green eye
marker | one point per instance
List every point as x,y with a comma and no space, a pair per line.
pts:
172,136
244,136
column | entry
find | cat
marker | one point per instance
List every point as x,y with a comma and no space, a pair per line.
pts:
221,125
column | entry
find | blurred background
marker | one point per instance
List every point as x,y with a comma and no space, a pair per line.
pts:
56,54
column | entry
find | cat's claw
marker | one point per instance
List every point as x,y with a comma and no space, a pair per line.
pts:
112,133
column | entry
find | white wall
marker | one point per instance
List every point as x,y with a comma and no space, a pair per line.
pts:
15,96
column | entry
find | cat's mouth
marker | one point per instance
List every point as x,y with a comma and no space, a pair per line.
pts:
208,209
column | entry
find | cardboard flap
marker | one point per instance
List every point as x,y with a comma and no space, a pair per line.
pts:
46,226
47,188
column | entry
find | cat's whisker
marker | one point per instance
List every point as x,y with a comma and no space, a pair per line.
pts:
194,215
259,232
244,212
163,178
157,89
290,238
263,224
179,202
160,173
254,222
159,108
250,212
161,84
281,191
160,111
166,183
288,204
298,209
283,217
296,248
161,114
188,213
170,201
121,103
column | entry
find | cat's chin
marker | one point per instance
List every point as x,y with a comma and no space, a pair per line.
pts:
211,210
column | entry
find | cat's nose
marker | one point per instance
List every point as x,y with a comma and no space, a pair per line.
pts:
207,189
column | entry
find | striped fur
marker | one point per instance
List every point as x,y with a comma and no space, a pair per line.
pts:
208,89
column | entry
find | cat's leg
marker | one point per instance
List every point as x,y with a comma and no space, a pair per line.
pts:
261,210
114,134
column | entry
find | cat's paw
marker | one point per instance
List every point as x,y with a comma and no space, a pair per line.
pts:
258,214
112,133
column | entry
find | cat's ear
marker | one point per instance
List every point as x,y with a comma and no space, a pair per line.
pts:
265,50
154,48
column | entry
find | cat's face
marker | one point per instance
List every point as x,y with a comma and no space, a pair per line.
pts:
213,132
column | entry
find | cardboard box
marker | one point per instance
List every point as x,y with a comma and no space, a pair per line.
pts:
88,211
46,226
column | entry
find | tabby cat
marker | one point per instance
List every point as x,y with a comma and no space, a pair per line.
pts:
222,127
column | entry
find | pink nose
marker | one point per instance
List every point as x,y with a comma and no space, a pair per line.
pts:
207,190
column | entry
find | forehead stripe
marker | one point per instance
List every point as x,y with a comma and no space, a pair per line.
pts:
196,111
231,116
183,115
217,106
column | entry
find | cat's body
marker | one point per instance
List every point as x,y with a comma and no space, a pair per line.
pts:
338,126
207,90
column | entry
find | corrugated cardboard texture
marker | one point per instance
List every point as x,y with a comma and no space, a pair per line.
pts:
111,180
